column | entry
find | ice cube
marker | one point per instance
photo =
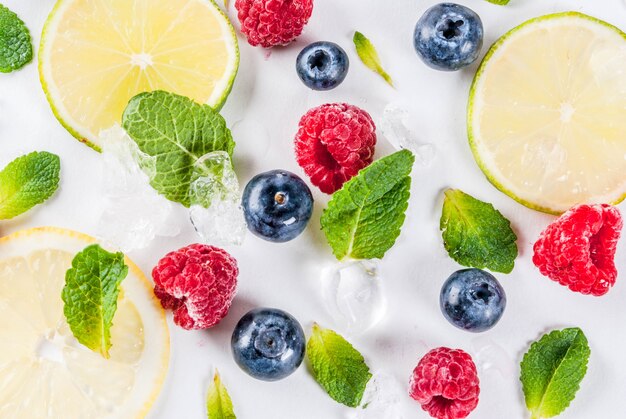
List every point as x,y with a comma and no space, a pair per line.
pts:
215,210
393,126
491,357
353,294
381,399
133,212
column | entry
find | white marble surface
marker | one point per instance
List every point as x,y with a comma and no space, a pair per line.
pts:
263,110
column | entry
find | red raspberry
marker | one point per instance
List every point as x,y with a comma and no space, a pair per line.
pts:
273,22
445,383
333,143
578,249
197,283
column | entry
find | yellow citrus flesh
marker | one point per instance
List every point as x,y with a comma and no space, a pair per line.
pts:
547,113
96,55
44,371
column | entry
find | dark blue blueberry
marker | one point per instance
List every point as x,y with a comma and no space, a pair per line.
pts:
322,65
448,36
472,300
268,344
277,205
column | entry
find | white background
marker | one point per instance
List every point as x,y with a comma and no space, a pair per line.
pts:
264,108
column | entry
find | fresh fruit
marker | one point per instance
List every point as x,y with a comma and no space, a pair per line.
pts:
268,344
277,205
334,141
472,300
448,37
445,382
578,249
198,283
546,115
322,65
96,55
269,23
44,371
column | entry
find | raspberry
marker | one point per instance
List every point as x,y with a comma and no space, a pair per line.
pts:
197,283
445,383
333,143
578,249
273,22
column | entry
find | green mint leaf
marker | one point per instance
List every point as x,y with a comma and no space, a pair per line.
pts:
552,370
499,2
363,219
337,366
177,132
219,405
28,181
368,55
16,49
476,234
90,293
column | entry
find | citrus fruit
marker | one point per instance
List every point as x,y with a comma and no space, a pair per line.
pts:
96,55
547,113
44,371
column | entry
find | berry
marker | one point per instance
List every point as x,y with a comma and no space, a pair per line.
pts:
277,205
322,65
472,300
445,383
197,283
333,143
268,344
578,249
448,37
273,22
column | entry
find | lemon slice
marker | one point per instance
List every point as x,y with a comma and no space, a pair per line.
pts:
547,113
97,54
44,371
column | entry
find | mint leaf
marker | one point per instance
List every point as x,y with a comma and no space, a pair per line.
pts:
369,56
499,2
363,219
219,405
552,370
16,49
28,181
476,234
90,293
337,366
177,132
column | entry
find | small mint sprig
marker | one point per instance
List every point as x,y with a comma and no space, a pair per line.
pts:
338,367
476,234
369,56
552,370
219,404
92,286
363,219
16,49
176,131
28,181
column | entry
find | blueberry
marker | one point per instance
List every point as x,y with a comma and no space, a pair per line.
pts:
277,205
268,344
473,300
322,65
448,37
